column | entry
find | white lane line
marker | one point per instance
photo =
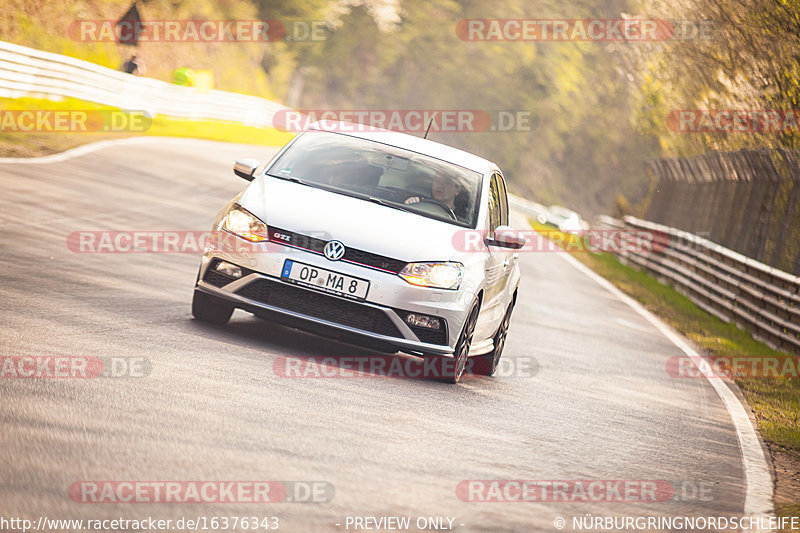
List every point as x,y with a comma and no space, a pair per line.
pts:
758,479
78,151
99,145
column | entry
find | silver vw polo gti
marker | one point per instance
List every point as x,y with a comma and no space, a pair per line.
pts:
373,237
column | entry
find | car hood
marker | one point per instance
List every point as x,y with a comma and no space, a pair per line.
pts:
356,223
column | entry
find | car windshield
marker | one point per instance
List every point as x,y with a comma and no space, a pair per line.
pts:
383,174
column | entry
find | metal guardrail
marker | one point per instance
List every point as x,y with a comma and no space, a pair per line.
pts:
735,288
28,72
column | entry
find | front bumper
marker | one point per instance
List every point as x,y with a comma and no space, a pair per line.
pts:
379,321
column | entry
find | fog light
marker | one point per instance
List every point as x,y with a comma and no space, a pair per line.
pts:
423,321
227,269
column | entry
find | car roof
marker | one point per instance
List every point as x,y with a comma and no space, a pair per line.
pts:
408,142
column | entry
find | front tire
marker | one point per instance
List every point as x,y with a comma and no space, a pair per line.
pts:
210,309
486,365
453,368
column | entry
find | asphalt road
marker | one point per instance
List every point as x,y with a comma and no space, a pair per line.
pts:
585,394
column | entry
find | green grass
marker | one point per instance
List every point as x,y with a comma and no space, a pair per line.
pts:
787,510
29,144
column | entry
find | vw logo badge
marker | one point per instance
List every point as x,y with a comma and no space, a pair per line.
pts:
334,250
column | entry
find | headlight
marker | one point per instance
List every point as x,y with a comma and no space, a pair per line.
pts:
244,224
434,275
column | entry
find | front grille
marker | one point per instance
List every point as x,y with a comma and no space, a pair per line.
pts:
351,255
373,260
322,306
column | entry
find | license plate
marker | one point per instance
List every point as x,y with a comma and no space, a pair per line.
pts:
324,280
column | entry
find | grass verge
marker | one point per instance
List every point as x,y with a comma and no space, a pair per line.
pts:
35,143
775,401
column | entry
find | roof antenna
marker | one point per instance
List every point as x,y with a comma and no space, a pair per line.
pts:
429,126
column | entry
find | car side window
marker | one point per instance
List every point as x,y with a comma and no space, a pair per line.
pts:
495,215
503,199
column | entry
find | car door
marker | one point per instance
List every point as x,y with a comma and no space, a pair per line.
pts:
510,255
497,260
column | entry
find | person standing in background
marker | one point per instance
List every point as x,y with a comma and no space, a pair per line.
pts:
134,65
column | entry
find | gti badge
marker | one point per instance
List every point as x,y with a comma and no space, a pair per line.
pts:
334,250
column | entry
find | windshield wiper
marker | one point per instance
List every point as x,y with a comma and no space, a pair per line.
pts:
289,178
388,204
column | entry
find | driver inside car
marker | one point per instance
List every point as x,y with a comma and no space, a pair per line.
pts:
444,190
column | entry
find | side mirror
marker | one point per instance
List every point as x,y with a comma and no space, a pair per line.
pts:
506,237
244,168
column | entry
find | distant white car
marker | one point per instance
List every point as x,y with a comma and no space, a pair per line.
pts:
562,218
357,236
